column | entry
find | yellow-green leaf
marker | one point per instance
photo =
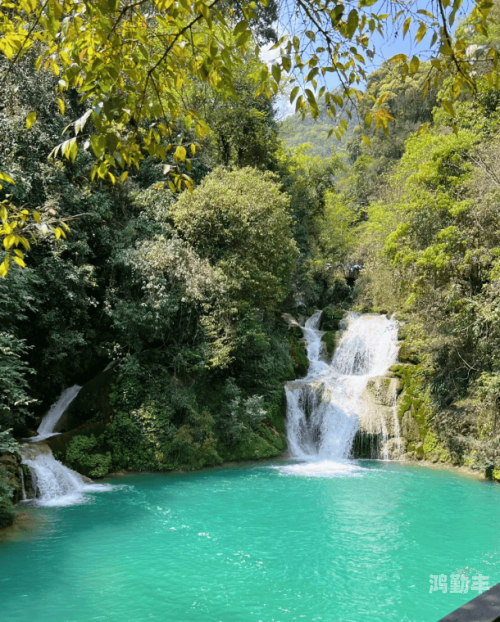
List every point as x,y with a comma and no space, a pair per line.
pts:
448,106
30,119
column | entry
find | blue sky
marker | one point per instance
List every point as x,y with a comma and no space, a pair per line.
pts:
385,47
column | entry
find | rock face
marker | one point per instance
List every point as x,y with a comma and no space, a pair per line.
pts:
380,397
379,433
409,427
16,475
91,403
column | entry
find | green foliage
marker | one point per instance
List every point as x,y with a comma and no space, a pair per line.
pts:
7,512
239,222
243,131
330,319
336,236
296,131
298,353
14,396
159,424
7,443
81,456
330,342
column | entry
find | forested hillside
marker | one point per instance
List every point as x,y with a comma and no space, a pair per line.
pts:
178,222
424,205
296,131
184,291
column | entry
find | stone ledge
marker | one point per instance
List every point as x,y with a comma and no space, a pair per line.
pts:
484,608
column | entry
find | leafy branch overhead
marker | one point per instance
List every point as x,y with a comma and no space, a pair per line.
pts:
131,62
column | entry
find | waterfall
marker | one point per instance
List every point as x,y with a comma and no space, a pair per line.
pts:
49,422
55,484
23,487
324,409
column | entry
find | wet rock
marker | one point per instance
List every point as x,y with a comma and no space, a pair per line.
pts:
91,403
409,427
396,448
383,389
16,475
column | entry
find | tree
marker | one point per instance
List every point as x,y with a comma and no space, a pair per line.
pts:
240,222
130,61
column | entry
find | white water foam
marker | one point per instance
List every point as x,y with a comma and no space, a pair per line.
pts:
324,468
49,422
323,408
55,484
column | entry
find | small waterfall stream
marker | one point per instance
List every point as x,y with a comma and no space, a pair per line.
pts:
325,409
49,422
55,484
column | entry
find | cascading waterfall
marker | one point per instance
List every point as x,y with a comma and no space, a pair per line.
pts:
23,487
49,422
55,484
325,408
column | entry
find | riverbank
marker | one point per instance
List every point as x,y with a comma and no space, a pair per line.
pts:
446,466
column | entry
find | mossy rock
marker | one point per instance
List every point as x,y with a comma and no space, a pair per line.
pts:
276,410
330,341
402,333
413,397
408,354
330,319
431,442
273,437
298,353
495,474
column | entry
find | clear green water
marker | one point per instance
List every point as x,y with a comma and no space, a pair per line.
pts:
254,543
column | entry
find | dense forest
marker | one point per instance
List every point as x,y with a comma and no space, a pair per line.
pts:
184,293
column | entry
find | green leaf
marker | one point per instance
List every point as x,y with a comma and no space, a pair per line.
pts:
240,27
448,106
406,26
294,93
352,23
399,58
